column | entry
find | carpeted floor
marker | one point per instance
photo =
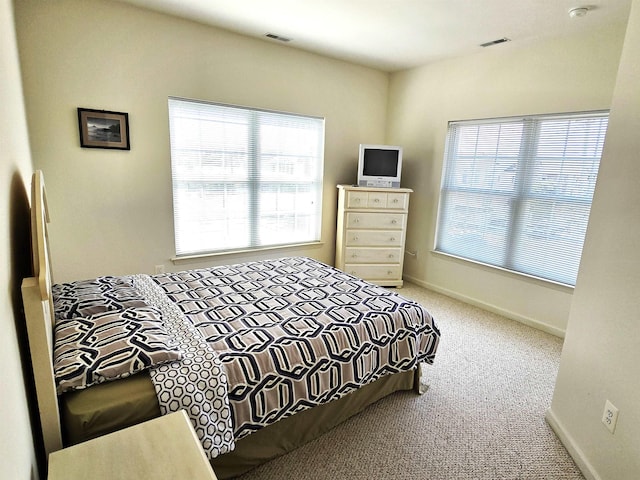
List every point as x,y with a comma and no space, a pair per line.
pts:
482,417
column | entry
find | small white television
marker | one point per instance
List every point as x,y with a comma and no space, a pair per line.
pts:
379,166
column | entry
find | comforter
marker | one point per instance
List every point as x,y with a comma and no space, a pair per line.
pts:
239,347
293,333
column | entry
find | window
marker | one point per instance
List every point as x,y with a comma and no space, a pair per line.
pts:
244,178
516,192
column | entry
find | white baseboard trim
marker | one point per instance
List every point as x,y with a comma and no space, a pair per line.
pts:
567,440
489,307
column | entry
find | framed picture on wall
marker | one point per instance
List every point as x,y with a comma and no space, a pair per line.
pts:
103,129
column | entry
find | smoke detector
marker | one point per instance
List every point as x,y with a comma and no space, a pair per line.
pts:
578,12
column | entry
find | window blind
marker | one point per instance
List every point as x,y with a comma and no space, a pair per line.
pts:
516,192
244,178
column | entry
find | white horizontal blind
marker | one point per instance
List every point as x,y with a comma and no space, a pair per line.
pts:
244,178
516,193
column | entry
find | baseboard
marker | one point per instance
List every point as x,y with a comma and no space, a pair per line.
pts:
567,440
489,307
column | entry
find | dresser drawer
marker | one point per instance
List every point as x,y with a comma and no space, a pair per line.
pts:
381,200
357,199
382,221
372,255
374,272
398,201
374,238
377,200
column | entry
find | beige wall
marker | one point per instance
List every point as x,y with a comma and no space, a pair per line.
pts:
112,210
560,75
601,354
17,456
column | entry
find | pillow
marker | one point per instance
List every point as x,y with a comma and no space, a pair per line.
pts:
90,297
108,346
99,284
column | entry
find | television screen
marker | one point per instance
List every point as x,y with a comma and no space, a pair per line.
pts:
380,163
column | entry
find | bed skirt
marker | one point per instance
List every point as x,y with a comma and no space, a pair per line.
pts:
125,403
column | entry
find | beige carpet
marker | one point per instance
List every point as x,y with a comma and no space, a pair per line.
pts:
482,417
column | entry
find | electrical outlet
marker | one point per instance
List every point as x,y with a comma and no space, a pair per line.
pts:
159,268
610,416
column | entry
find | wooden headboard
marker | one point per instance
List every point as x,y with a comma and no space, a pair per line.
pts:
38,307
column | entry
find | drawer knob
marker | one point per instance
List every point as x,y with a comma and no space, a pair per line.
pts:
377,200
391,255
392,239
355,239
395,200
357,220
354,256
389,272
394,221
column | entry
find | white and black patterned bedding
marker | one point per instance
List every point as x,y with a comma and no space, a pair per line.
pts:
90,297
264,340
293,333
196,384
105,331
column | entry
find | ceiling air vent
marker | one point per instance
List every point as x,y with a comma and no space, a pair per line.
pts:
495,42
277,37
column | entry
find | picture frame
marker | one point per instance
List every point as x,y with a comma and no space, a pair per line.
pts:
103,129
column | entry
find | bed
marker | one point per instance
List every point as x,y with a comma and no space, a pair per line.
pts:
264,356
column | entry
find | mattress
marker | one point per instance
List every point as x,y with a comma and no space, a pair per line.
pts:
107,407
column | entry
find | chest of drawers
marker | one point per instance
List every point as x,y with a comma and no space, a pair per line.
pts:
370,233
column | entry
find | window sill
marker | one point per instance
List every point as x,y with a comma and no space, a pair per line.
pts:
182,259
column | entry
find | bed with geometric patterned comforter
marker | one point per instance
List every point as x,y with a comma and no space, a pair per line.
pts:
259,342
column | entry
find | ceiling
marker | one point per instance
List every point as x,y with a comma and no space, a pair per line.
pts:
393,35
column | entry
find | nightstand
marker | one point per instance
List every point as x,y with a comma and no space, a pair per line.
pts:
163,448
